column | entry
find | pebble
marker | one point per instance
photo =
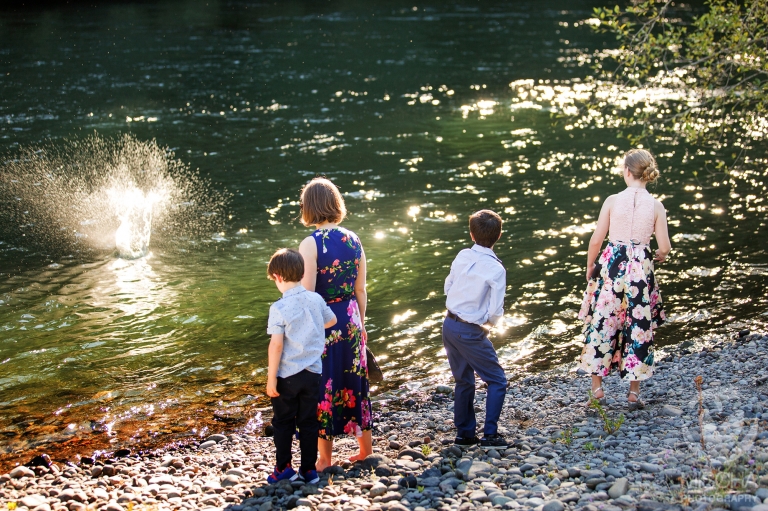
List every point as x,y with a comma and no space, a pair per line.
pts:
562,458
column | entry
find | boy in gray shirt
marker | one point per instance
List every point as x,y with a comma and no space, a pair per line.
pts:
297,323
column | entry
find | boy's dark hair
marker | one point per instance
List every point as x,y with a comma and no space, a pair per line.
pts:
287,263
485,227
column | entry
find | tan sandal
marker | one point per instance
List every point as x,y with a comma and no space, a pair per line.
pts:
638,404
600,400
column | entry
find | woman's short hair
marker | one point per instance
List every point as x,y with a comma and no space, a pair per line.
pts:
288,264
321,202
485,227
642,165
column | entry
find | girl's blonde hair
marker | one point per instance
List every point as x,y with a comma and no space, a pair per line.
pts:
321,202
642,165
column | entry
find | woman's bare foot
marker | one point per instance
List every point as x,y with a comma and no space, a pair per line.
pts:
359,457
322,464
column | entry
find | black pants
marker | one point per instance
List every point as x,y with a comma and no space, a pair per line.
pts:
296,406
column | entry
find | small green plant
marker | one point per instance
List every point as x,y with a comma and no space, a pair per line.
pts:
566,436
420,488
426,450
587,466
589,446
551,475
610,425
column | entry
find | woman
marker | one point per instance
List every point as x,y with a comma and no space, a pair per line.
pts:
622,304
334,267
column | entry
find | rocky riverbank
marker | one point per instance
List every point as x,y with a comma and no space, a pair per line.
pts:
691,448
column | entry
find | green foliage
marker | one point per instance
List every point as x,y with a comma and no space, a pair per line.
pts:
566,436
712,66
426,450
589,446
610,425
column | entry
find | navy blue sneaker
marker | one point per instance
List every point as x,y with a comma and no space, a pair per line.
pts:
466,441
287,474
310,476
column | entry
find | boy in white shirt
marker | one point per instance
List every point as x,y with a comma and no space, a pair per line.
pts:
475,298
297,323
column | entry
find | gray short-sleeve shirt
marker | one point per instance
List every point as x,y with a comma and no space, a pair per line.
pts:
300,316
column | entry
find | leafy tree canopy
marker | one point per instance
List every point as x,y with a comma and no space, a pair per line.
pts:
677,75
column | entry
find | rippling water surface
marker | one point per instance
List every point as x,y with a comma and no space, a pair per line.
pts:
421,114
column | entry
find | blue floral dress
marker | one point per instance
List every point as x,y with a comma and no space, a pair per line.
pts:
345,406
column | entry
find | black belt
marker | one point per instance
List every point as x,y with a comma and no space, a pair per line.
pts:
456,318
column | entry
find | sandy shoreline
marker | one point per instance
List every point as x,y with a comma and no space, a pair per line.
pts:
561,455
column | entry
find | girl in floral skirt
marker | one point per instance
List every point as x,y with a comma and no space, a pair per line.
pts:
622,303
334,267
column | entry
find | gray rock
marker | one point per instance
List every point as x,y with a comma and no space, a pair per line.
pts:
574,472
444,389
570,497
650,467
762,493
536,460
372,461
218,438
525,467
383,471
479,496
413,453
594,482
207,444
553,505
430,482
469,469
500,500
741,501
391,496
237,472
113,506
21,471
32,501
394,445
47,507
670,411
620,487
377,490
453,450
672,474
230,480
589,474
650,505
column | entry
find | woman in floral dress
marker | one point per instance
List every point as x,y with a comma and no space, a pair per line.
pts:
622,303
334,267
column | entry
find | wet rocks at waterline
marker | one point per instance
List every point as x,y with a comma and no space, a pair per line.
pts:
560,457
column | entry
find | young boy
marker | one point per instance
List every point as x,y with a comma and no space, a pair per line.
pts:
475,298
297,323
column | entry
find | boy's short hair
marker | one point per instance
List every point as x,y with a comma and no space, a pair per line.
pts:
485,227
288,264
321,202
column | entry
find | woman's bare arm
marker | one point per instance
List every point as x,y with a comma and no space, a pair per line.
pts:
308,251
360,292
601,230
662,233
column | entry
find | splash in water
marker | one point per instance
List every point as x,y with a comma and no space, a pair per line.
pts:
105,194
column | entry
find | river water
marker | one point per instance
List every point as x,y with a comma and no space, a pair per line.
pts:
421,113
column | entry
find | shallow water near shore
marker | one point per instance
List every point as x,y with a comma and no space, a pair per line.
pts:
421,116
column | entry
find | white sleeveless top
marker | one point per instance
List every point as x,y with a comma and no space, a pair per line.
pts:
632,217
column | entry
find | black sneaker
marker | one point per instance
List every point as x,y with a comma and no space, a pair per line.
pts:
493,442
462,441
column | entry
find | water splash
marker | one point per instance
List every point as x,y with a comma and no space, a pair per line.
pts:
105,194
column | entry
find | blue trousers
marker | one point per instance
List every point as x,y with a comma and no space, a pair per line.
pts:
470,351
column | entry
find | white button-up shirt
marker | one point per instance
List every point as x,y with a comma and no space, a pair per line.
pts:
300,315
476,285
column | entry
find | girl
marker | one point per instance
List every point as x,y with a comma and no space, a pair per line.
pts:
622,304
335,267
